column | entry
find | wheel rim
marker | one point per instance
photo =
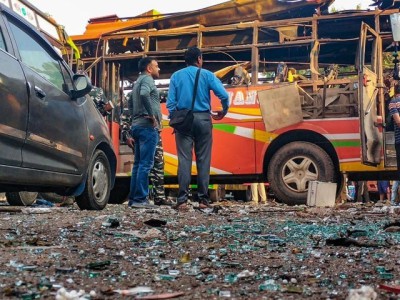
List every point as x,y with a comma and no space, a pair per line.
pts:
99,181
28,198
297,172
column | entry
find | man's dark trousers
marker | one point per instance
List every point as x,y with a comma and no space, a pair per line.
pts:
201,138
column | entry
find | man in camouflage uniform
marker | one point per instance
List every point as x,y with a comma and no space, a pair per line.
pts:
100,101
97,94
157,176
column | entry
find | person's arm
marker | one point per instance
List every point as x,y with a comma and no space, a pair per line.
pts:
145,89
396,119
129,104
394,112
219,91
171,100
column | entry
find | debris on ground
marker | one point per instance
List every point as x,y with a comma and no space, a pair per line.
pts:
236,251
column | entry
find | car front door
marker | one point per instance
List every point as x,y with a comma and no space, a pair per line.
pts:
13,103
57,136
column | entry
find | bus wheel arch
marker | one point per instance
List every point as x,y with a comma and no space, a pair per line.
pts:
297,157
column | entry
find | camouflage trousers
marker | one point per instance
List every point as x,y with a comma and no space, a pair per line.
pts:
157,173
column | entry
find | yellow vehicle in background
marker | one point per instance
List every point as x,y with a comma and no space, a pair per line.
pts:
54,32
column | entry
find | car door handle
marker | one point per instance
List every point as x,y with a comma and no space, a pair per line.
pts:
39,92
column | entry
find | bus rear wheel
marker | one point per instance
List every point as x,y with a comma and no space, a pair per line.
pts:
21,198
293,166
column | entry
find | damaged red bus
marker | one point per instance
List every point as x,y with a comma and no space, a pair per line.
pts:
307,91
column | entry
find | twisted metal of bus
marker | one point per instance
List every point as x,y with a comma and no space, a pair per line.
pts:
239,68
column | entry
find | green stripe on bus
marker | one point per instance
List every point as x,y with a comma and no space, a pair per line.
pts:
225,127
337,144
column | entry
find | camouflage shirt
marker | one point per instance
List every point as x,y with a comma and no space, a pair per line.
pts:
97,94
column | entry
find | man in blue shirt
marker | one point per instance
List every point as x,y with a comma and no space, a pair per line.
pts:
394,108
180,96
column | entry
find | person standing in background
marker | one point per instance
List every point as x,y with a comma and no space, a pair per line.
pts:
258,188
383,189
350,190
394,108
362,194
146,123
394,193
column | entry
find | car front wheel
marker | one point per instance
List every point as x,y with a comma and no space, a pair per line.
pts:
98,183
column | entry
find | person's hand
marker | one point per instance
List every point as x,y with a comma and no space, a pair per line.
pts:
130,142
153,120
218,115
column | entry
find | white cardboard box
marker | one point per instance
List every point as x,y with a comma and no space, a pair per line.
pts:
321,194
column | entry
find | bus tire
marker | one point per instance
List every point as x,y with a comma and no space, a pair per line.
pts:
21,198
119,194
98,183
293,166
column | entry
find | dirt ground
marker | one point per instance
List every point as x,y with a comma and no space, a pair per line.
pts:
232,251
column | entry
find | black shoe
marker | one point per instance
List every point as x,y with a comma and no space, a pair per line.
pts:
183,206
204,204
166,202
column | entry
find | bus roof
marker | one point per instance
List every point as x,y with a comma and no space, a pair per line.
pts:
224,13
107,24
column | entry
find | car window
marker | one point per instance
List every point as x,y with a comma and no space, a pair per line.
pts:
37,57
2,41
67,77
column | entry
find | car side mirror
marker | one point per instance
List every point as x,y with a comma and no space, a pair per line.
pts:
82,86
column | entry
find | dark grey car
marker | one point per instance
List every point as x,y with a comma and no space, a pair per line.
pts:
52,138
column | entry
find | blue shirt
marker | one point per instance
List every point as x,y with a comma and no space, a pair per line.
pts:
394,107
180,92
